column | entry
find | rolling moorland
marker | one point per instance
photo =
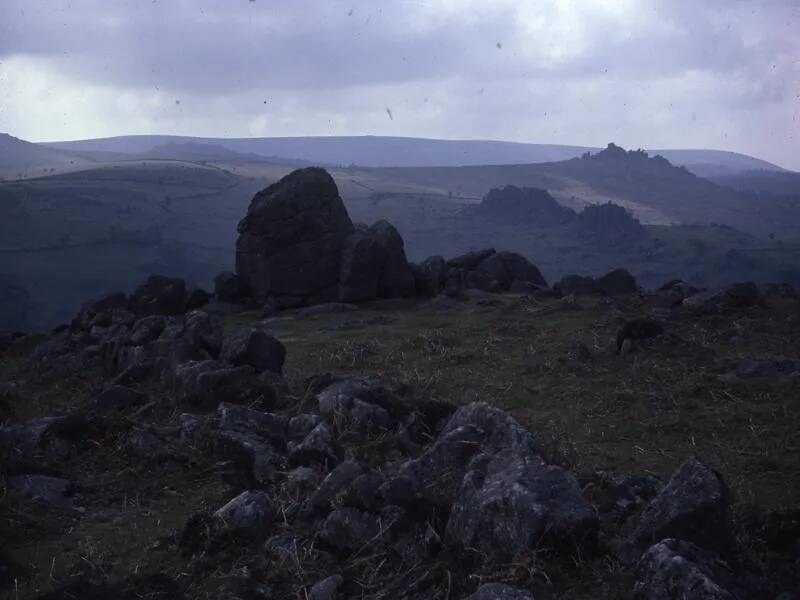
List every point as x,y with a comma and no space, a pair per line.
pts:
338,423
84,218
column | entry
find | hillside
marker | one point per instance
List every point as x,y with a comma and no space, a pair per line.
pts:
377,151
457,429
19,158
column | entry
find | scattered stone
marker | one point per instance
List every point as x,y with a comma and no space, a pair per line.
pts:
117,398
348,530
507,503
336,484
254,347
675,569
693,506
248,515
147,329
301,425
147,443
318,447
233,417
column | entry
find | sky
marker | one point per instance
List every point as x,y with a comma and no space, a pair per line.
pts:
722,74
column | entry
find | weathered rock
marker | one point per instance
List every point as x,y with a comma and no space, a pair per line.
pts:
326,589
159,295
189,425
337,399
248,515
397,278
147,329
363,259
318,447
507,503
90,309
430,276
229,287
301,425
347,530
674,569
337,482
254,458
499,591
575,284
201,332
52,491
521,269
435,476
470,260
291,240
117,398
616,283
268,426
254,347
149,444
737,295
208,383
693,506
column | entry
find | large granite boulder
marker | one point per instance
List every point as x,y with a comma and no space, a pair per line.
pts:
159,295
291,240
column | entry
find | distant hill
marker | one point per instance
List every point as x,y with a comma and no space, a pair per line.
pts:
380,151
19,158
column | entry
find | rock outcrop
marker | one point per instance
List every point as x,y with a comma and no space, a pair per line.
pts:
525,206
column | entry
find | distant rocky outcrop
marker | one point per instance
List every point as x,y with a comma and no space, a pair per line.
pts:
610,224
533,206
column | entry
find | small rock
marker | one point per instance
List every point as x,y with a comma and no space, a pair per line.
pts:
348,530
675,569
318,447
246,420
117,398
159,295
301,425
694,506
249,515
326,589
254,347
617,282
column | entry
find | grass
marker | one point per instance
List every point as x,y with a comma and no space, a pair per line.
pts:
641,413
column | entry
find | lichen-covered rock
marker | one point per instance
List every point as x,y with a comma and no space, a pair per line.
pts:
693,506
291,240
336,484
147,329
363,259
396,277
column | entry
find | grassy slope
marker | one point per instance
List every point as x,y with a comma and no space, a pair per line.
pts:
643,413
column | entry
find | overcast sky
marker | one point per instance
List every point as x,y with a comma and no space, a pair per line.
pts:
719,74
